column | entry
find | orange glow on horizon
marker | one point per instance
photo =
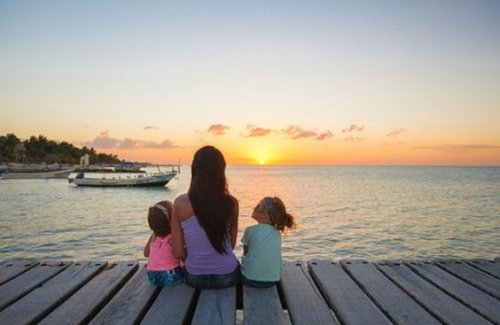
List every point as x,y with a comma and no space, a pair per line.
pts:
280,152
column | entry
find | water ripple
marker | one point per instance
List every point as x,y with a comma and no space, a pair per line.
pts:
342,212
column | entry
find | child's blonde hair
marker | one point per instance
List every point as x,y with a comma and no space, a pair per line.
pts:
276,211
159,216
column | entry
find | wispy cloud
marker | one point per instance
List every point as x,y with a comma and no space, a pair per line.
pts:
149,127
255,131
295,132
395,133
323,136
353,128
459,148
218,129
354,139
399,143
105,141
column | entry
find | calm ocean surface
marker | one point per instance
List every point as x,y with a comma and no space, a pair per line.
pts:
343,212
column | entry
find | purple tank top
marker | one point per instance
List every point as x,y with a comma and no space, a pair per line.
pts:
201,257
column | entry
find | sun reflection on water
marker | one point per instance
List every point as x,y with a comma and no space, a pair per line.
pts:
342,212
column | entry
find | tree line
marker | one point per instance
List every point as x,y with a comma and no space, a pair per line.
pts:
39,149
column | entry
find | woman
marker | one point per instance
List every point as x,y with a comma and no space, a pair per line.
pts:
205,224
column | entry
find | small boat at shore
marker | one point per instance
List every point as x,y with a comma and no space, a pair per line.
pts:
153,179
36,173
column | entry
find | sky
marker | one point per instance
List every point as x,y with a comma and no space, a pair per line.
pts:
266,82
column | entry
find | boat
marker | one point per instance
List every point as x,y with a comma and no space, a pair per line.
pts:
94,169
150,179
129,168
35,172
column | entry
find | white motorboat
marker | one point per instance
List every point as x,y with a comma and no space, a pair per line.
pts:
129,168
150,179
34,174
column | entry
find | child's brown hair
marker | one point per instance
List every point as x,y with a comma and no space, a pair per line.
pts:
276,211
159,216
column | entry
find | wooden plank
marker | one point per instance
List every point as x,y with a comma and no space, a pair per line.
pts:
342,293
24,283
474,298
304,301
11,269
443,306
216,307
130,303
395,303
487,266
262,306
171,306
85,303
39,302
473,276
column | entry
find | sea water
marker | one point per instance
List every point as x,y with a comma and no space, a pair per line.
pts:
342,212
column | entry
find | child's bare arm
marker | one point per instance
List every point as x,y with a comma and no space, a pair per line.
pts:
146,248
177,240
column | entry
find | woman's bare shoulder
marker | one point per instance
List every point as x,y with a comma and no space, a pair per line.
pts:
181,199
183,207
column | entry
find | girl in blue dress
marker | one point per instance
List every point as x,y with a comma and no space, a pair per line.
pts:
262,262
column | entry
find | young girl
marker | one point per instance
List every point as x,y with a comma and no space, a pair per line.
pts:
261,265
163,268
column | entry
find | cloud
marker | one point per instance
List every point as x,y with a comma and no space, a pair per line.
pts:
395,133
127,144
353,128
218,129
149,127
394,143
293,132
167,144
354,139
106,142
103,140
255,131
296,132
323,136
134,144
459,148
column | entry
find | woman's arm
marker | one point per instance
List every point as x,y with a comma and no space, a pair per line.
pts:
234,230
177,240
146,248
245,250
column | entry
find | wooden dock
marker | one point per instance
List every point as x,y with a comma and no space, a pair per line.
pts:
316,292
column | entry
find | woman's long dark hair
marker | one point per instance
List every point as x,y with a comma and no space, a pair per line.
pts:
209,195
